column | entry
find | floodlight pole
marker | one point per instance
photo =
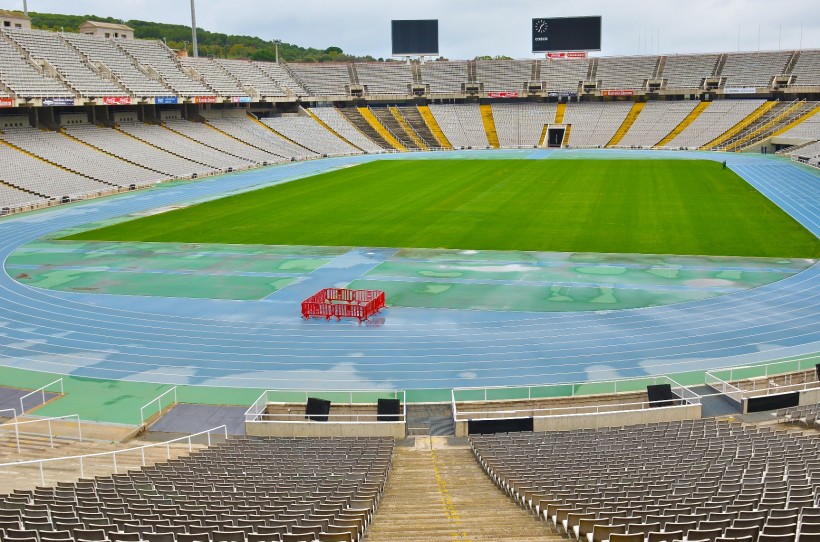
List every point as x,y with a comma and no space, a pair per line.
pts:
193,29
276,46
25,7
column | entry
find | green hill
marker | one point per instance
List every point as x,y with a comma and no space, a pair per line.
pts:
210,43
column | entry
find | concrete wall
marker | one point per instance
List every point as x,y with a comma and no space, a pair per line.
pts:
326,429
609,419
810,397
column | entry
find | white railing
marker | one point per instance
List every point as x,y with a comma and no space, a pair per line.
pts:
16,424
732,392
13,413
158,400
257,412
41,463
42,390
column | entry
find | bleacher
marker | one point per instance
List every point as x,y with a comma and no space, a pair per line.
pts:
462,124
215,139
504,75
521,125
385,77
688,71
690,480
280,74
594,124
444,77
48,47
155,55
135,151
754,69
323,79
806,70
237,124
656,121
339,124
245,490
73,155
564,75
214,76
310,134
714,121
626,72
123,67
13,198
23,79
249,74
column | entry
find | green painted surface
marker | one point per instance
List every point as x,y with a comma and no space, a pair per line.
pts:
623,206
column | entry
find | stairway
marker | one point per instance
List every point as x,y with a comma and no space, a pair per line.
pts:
489,124
356,119
637,107
415,137
736,129
565,142
776,114
440,493
700,108
374,123
412,116
790,118
391,124
328,128
559,112
435,129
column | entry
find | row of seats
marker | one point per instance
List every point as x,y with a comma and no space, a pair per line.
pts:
689,481
245,490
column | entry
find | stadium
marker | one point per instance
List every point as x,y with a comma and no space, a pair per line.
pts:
564,297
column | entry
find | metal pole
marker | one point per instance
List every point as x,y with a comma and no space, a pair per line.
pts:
193,29
25,7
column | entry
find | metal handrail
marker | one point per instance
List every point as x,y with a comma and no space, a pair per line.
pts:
42,391
82,458
17,425
159,400
592,409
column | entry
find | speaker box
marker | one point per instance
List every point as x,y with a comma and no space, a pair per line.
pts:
317,409
388,410
660,395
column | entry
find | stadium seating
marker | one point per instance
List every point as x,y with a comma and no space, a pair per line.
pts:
12,198
444,77
237,124
280,74
218,140
688,71
23,79
338,123
245,490
133,150
655,121
521,125
697,476
310,134
753,69
251,75
104,51
504,75
157,57
385,77
73,155
323,79
594,124
625,72
806,70
214,76
563,75
461,124
48,47
714,121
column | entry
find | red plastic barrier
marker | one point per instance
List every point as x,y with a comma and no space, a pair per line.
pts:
343,303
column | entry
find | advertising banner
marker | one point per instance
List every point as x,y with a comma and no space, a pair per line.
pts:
6,102
563,94
557,56
166,100
619,92
240,99
206,99
502,95
117,100
739,90
58,101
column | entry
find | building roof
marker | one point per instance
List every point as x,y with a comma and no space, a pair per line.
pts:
112,26
14,14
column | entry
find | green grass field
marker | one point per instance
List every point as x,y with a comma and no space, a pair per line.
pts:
626,206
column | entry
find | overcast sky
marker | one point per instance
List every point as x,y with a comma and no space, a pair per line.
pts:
468,28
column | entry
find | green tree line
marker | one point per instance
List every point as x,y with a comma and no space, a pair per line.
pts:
214,44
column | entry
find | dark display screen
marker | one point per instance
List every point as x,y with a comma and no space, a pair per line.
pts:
419,37
566,34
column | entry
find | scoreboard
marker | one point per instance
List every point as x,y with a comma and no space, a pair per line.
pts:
415,37
566,34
